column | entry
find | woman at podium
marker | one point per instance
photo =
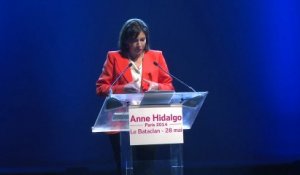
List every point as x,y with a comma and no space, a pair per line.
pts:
134,68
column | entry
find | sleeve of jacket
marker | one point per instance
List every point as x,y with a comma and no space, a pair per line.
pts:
107,77
164,79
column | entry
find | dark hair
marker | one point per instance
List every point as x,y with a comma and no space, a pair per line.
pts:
130,30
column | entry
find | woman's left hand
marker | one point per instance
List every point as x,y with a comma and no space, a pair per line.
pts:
153,86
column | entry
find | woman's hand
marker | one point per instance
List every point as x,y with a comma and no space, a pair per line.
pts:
131,87
153,86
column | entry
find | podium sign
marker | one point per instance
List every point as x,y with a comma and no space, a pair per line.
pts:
150,125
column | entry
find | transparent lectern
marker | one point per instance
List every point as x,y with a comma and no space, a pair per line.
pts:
114,117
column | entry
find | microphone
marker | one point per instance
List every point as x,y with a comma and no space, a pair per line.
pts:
156,64
110,88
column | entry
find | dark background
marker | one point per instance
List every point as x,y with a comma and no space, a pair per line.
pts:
245,53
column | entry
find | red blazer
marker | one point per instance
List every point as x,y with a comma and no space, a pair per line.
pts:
115,63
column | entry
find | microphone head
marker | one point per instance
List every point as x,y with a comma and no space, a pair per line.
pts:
155,63
130,64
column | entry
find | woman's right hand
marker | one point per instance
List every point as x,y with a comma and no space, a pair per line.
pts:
131,87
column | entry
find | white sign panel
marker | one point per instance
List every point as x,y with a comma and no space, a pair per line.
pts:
155,125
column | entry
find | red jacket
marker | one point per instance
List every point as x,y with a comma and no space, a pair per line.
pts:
115,63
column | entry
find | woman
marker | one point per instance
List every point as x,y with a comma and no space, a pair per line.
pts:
143,75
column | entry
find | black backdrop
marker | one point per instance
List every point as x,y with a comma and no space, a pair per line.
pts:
245,53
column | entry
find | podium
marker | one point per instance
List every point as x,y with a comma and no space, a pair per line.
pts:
114,117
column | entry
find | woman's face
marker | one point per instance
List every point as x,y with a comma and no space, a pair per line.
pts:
137,45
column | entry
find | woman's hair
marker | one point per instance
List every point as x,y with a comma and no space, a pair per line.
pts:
130,31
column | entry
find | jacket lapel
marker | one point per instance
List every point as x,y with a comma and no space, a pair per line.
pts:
147,67
122,64
149,72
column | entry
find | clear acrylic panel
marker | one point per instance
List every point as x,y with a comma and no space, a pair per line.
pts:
113,115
